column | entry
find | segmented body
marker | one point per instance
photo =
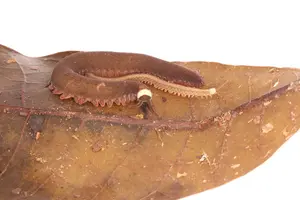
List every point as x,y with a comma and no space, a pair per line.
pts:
104,78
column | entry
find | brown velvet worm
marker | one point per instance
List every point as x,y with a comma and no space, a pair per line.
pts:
104,78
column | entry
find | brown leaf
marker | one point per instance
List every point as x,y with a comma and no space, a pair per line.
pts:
51,148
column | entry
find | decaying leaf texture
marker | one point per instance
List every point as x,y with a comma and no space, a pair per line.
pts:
54,149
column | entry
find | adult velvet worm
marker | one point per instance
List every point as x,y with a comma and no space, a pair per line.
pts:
105,78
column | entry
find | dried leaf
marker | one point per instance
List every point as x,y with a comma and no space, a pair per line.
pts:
51,148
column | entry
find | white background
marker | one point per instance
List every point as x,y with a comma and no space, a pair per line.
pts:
232,32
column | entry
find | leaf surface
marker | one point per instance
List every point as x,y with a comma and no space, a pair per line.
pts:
54,149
